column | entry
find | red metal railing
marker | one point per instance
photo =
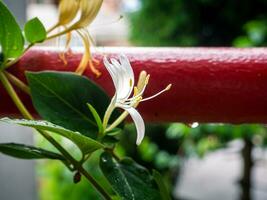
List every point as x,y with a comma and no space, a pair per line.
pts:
209,84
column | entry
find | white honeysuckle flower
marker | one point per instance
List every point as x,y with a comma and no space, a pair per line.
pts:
122,76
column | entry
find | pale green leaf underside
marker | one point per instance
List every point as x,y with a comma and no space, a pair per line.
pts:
86,144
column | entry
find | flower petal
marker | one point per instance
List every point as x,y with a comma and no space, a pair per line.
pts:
123,87
129,70
126,64
113,73
139,123
89,10
125,80
68,10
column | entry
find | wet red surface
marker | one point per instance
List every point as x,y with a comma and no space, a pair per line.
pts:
209,84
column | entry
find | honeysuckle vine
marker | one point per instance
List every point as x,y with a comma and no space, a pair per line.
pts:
74,107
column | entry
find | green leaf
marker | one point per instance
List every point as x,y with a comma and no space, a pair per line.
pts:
86,144
28,152
11,38
34,31
112,137
97,117
130,180
165,195
109,141
61,98
114,132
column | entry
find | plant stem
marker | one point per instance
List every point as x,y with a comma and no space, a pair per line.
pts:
9,88
13,79
58,34
101,190
12,93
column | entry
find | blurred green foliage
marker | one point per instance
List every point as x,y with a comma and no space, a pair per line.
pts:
255,34
166,145
56,182
199,23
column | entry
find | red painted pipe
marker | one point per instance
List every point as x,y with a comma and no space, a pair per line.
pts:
209,84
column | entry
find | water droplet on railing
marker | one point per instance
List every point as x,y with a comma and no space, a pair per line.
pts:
193,125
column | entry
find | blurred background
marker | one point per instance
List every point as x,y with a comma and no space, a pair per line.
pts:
198,161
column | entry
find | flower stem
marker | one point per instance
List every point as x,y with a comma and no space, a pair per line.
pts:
58,34
108,113
52,28
9,88
117,121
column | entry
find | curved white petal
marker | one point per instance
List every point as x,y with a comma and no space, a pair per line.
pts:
122,79
125,62
130,74
113,73
139,123
124,84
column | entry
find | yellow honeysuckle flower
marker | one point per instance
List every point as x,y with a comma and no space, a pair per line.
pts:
89,10
69,10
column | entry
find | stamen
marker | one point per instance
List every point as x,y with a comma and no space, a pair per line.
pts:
147,79
68,40
141,80
87,55
138,94
135,91
62,55
139,99
159,93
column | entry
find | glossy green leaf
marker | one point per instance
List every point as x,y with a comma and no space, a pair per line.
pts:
27,152
61,98
34,31
96,117
130,180
11,38
86,144
165,195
